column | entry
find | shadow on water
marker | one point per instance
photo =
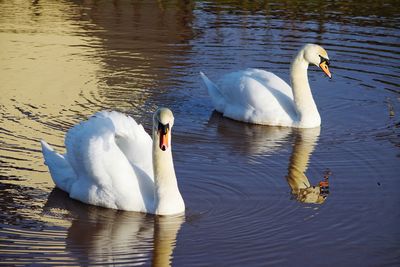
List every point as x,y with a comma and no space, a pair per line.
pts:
249,139
107,236
260,140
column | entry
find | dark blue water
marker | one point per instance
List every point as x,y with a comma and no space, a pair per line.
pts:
63,61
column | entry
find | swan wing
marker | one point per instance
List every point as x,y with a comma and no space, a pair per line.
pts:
111,155
60,169
113,128
216,96
133,140
256,96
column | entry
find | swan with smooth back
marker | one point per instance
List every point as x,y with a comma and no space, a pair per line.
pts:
112,162
260,97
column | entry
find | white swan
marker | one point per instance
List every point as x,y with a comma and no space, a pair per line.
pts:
261,97
112,162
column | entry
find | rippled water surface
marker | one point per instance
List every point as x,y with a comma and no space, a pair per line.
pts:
252,193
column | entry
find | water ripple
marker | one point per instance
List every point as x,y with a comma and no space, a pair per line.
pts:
65,61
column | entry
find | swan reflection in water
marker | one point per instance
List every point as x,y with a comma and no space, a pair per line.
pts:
258,140
302,190
107,236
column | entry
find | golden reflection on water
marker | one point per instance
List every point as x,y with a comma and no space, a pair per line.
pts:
61,63
45,62
46,66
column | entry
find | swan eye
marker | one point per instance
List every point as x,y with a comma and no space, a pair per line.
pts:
324,60
163,128
324,66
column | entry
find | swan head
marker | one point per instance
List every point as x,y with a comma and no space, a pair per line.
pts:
163,121
317,56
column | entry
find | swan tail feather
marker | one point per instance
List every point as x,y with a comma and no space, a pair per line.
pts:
214,92
61,171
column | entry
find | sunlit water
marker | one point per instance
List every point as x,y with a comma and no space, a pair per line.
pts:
248,189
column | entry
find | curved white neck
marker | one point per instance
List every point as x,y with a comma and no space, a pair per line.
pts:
303,99
168,199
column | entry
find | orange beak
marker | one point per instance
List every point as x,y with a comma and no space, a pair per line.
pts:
163,130
163,141
324,66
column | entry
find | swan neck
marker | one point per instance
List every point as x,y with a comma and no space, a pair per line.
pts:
302,95
164,173
168,199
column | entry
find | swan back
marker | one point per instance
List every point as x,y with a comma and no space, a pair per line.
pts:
105,131
254,96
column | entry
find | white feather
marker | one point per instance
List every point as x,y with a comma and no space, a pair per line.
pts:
108,163
261,97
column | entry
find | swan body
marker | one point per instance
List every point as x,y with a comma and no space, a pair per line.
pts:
261,97
112,162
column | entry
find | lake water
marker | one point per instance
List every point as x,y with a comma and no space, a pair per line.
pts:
61,61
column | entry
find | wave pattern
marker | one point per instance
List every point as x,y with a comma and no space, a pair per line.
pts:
62,62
